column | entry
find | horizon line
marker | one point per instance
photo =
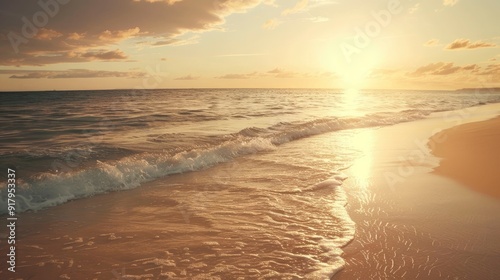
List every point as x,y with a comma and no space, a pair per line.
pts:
295,88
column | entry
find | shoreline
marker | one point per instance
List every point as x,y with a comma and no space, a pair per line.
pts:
422,225
469,155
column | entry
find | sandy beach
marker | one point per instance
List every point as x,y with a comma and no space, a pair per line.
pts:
471,155
415,223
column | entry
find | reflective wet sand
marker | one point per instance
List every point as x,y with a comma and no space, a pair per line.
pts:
412,224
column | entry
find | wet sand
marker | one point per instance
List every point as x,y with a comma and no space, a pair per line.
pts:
413,223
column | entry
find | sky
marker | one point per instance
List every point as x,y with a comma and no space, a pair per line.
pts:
350,44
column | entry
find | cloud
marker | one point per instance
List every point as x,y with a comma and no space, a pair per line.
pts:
271,24
432,43
173,42
450,3
170,2
241,54
42,58
442,68
75,36
118,35
47,34
81,26
299,7
492,72
237,76
325,74
187,78
275,71
270,3
466,44
105,55
318,19
414,8
306,5
491,69
447,69
279,73
70,74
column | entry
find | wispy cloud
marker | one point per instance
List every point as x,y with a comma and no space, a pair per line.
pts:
241,54
467,44
450,3
305,6
70,74
443,68
187,78
279,73
173,42
271,24
105,55
47,34
318,19
237,76
299,7
170,2
492,69
118,35
414,8
432,43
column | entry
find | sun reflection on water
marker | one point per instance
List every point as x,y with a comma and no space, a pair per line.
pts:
351,102
362,169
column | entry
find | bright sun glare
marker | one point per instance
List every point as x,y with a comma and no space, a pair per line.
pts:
362,168
354,78
350,101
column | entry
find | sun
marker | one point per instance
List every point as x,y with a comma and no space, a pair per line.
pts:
354,78
355,73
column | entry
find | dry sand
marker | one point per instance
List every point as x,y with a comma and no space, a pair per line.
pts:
471,155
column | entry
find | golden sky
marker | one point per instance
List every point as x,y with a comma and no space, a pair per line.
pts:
110,44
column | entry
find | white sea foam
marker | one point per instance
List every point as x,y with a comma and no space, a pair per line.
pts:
50,189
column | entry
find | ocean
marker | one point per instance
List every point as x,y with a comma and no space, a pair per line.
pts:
254,175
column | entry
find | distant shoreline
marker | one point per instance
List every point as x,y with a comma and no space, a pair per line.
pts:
480,89
236,88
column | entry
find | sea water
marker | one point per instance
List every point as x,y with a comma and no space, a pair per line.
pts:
264,166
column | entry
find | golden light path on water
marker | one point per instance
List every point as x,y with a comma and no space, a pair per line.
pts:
350,102
363,166
362,142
